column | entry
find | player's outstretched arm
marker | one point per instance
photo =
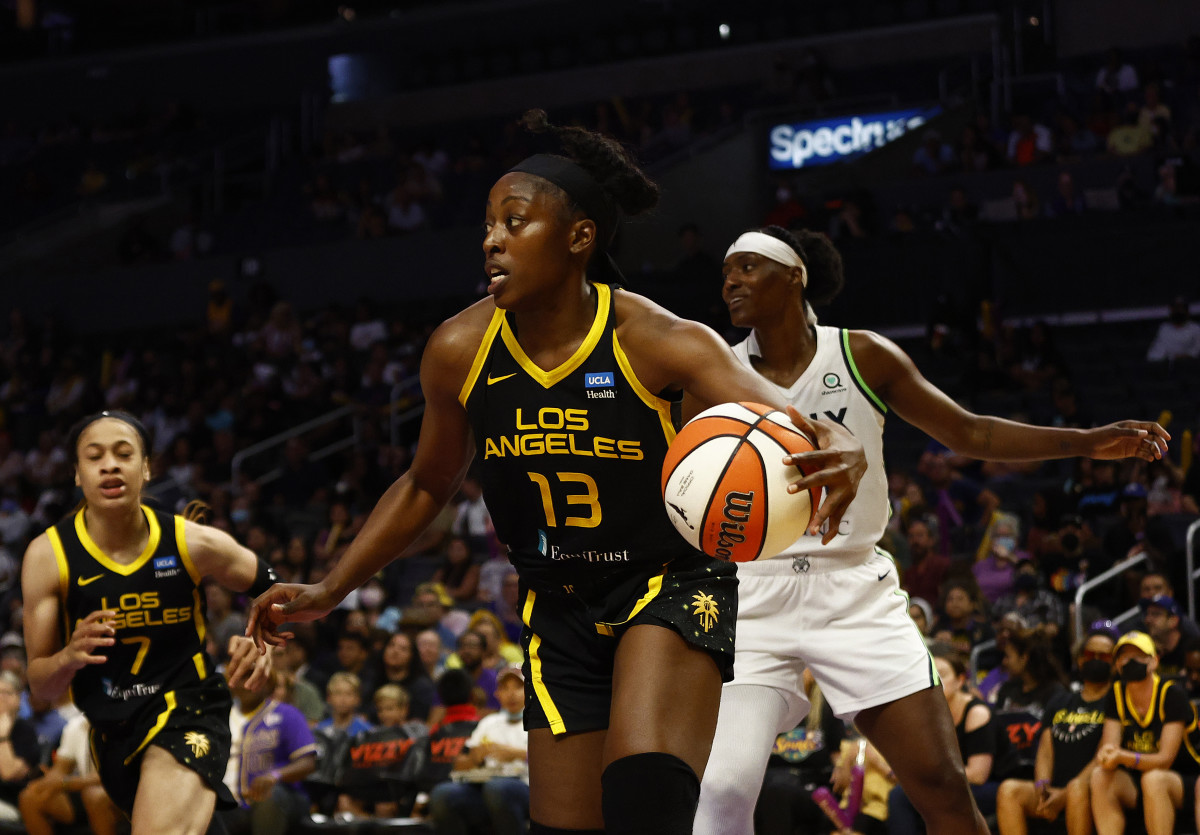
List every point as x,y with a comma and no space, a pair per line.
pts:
51,665
444,450
891,374
680,353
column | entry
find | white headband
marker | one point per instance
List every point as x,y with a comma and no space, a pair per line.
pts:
770,247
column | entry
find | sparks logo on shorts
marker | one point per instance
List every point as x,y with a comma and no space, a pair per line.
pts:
198,742
602,380
543,545
704,606
166,566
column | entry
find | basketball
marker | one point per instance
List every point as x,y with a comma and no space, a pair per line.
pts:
725,484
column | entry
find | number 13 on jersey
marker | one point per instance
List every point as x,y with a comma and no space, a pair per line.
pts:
590,498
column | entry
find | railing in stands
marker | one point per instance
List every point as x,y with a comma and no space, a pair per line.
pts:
1192,572
398,417
1100,579
977,652
275,441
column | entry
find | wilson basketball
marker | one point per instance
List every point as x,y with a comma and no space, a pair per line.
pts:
725,483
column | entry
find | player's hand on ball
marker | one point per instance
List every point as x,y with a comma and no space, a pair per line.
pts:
285,603
838,465
93,632
1129,439
248,667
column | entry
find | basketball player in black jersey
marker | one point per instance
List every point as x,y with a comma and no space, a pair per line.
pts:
114,612
562,385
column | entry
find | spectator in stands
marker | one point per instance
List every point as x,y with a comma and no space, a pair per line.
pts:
1130,137
1066,200
499,652
959,214
1154,116
976,731
297,692
380,778
958,502
1191,670
459,573
404,213
19,754
976,152
921,611
276,754
1037,606
1142,759
1006,626
961,623
470,649
1161,617
1117,77
368,327
928,566
1029,142
432,652
333,539
996,560
1178,337
495,797
492,574
431,604
802,759
343,696
934,156
472,521
353,656
69,786
400,665
787,210
507,607
1070,734
1025,201
1073,140
1035,678
448,737
324,201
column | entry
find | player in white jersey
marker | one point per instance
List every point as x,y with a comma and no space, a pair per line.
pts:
838,608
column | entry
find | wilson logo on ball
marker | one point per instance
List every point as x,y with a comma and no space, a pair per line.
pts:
725,484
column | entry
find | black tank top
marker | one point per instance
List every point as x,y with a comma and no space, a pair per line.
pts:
160,621
571,458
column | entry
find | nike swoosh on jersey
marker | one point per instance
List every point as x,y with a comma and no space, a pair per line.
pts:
884,574
83,581
492,379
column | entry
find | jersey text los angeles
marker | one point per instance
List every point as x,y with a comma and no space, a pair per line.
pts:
159,622
571,458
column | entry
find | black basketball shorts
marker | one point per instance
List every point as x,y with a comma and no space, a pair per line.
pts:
192,724
570,636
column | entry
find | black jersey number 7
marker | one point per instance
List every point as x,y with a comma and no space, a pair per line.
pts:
590,498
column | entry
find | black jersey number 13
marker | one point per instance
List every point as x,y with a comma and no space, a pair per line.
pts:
589,498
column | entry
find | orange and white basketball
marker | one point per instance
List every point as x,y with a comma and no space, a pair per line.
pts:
725,483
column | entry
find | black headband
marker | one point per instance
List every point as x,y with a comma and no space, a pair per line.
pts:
115,414
580,186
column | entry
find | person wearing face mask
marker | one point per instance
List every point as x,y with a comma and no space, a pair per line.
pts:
1071,728
1178,337
1143,747
1191,670
490,786
1038,607
995,564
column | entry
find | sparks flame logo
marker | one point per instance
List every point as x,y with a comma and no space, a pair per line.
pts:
198,742
705,607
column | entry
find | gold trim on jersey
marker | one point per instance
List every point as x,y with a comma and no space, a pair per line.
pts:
652,590
557,726
659,405
124,570
1125,706
184,554
485,347
64,580
198,617
551,378
198,660
159,724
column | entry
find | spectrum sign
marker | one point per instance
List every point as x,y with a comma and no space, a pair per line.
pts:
820,142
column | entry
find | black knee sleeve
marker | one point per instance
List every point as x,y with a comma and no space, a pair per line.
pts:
649,794
536,828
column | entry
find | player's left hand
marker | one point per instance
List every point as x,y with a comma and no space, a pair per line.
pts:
247,667
838,465
1129,439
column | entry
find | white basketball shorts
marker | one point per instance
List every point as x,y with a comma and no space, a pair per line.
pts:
848,623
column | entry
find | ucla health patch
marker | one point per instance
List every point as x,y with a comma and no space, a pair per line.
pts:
163,563
600,385
599,380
